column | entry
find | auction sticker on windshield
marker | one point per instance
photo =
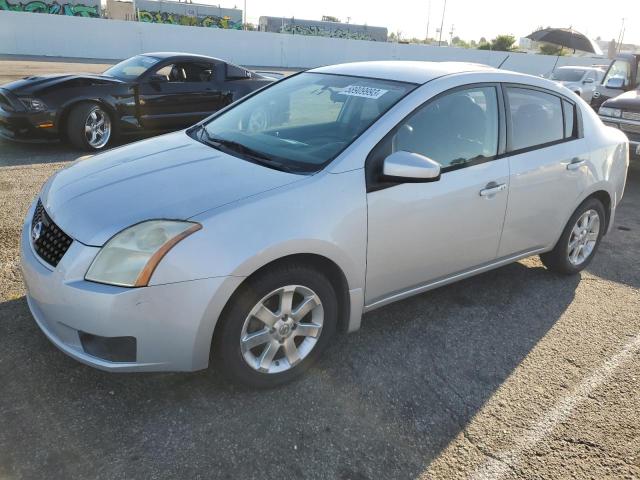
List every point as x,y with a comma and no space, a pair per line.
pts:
360,91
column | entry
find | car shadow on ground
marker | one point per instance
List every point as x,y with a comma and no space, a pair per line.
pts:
617,259
382,403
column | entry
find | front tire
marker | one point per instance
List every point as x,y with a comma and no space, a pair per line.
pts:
276,326
89,127
579,241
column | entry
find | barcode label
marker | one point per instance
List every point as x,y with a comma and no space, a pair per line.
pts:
360,91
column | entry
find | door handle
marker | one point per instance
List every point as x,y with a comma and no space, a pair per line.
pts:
576,163
492,188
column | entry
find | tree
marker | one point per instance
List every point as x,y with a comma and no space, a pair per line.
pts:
502,43
550,49
458,42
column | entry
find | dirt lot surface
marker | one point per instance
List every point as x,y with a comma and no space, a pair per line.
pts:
11,70
516,373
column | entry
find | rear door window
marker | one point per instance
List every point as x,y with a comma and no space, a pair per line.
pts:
536,118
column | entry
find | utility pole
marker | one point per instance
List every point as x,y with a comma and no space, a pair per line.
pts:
244,13
444,9
428,20
451,35
621,36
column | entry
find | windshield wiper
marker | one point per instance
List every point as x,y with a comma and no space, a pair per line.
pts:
246,152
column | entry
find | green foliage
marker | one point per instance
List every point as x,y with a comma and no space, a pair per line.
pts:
550,49
458,42
502,43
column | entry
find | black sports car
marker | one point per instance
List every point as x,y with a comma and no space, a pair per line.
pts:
149,93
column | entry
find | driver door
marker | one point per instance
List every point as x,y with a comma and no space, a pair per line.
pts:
422,233
178,95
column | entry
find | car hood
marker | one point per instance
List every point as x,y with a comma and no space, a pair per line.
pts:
627,101
168,177
41,83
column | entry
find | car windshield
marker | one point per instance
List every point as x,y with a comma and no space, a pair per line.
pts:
567,75
302,123
132,68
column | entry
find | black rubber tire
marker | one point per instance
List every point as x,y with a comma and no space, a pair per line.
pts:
75,126
226,342
557,260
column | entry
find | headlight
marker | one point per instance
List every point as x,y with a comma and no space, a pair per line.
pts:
33,104
131,256
610,112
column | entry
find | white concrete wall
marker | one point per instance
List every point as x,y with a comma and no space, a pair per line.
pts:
63,36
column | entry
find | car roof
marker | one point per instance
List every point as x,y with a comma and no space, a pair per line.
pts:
402,70
182,55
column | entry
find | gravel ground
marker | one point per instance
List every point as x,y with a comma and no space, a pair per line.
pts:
516,373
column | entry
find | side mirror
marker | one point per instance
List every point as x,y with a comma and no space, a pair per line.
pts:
588,80
410,167
155,78
615,83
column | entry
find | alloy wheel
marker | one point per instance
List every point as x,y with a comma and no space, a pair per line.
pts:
97,128
583,237
282,329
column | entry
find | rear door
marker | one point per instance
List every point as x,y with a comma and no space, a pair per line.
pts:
549,162
178,94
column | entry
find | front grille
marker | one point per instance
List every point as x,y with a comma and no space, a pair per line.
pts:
631,116
49,242
627,127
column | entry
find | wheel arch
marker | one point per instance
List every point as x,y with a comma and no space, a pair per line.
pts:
605,198
328,267
63,116
601,194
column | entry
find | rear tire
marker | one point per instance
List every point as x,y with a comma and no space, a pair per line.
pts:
265,340
89,127
579,241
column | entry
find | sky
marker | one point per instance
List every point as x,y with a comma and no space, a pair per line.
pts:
472,19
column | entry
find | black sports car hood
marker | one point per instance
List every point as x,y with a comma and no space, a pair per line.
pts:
41,83
627,101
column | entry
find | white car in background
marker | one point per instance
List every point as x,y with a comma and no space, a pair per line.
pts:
260,241
580,80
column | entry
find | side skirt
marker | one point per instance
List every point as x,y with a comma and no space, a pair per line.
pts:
450,279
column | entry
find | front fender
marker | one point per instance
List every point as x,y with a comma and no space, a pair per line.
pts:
324,215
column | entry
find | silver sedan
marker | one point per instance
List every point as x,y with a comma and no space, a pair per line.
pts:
259,233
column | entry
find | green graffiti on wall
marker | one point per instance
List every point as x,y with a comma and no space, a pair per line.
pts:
210,21
55,8
319,31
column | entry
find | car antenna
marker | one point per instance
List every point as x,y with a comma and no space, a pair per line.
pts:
502,63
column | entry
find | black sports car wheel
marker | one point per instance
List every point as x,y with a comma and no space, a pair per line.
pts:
89,127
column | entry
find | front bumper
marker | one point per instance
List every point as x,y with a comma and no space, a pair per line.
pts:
172,324
28,126
630,128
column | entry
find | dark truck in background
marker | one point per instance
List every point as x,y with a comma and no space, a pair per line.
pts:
617,98
622,76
